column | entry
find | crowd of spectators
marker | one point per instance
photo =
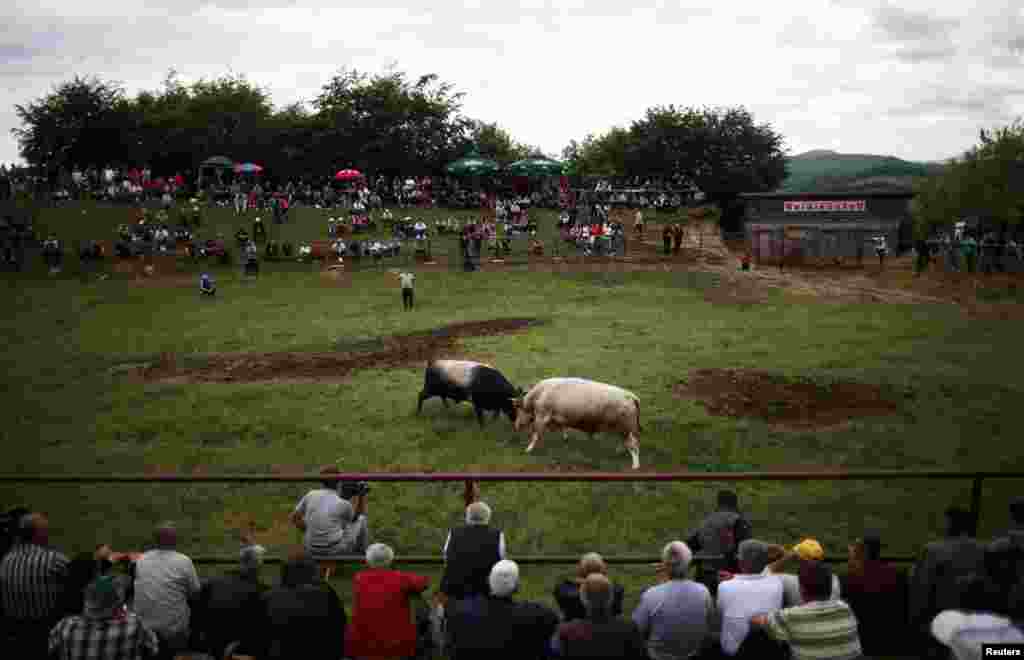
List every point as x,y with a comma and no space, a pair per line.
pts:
740,603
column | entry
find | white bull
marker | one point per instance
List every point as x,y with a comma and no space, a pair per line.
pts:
585,405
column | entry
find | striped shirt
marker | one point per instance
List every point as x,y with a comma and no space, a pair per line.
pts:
32,583
120,638
819,630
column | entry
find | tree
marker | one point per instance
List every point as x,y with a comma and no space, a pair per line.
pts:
721,152
387,124
603,155
986,182
494,142
70,127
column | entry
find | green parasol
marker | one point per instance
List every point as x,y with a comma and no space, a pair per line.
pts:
473,165
536,167
218,161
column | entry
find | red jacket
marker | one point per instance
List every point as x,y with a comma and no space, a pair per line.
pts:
381,625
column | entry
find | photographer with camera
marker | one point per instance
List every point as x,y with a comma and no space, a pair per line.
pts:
333,518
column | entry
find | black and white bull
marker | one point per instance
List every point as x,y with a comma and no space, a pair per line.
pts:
461,380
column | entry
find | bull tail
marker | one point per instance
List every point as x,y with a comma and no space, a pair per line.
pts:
636,402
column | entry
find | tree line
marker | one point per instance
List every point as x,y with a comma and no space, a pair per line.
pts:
385,123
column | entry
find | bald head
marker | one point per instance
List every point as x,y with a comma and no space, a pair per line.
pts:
591,563
166,536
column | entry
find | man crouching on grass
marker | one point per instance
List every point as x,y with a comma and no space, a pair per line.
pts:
407,280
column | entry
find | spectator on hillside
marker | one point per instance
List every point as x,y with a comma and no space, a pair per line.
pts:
53,253
407,281
720,534
933,586
165,583
493,624
382,624
677,238
470,552
600,633
567,592
303,617
745,595
259,232
805,551
666,238
229,605
877,593
676,617
104,629
207,287
32,585
331,525
822,628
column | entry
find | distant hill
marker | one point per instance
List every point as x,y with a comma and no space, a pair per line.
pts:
822,170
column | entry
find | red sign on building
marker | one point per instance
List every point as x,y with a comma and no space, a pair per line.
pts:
858,205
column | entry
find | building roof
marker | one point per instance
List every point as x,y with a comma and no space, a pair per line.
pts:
804,196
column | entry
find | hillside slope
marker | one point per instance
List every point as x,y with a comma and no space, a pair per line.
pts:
824,171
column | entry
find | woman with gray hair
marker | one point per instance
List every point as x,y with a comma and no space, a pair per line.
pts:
382,618
675,617
568,594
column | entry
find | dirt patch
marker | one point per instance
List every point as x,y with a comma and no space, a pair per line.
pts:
398,351
782,403
743,294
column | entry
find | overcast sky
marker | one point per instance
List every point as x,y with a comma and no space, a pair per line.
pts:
915,79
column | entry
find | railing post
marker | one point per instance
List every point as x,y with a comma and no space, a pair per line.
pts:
976,501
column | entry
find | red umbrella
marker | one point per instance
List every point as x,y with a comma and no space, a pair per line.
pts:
348,175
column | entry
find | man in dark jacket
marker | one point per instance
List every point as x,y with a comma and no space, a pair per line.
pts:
470,552
934,586
720,534
229,605
601,634
302,618
495,625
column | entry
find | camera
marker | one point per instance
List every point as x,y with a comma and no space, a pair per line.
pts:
350,489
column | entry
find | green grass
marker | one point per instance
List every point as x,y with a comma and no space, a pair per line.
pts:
67,409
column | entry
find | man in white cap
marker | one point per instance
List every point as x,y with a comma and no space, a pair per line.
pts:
105,630
486,626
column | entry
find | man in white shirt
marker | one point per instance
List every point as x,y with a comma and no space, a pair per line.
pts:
407,280
165,581
748,593
806,550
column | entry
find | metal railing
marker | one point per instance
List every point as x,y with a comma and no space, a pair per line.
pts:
976,477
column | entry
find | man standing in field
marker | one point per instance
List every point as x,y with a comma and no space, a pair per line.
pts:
407,280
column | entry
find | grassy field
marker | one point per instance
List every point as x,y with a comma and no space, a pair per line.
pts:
69,408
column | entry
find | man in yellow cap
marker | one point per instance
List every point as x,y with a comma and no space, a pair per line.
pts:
806,550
